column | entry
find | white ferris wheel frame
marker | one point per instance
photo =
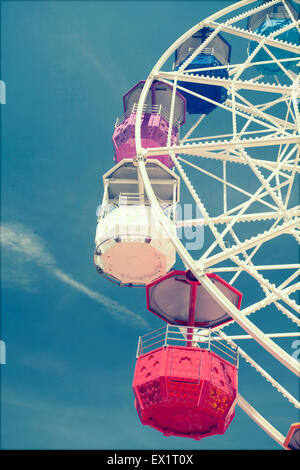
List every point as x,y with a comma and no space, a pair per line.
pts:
291,222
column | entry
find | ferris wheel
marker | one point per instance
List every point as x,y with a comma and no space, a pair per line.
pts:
223,102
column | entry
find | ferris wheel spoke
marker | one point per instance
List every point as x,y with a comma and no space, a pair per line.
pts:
248,13
252,242
265,284
270,298
264,183
295,105
251,217
247,257
290,113
234,30
280,65
263,267
233,68
227,183
192,129
293,24
263,40
244,207
219,239
172,107
280,155
230,8
275,350
225,197
291,182
258,243
229,108
204,148
199,49
262,371
228,83
272,103
234,157
258,199
290,279
255,332
222,136
260,420
290,315
251,255
249,108
197,200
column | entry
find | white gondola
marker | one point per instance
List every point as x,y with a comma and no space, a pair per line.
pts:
132,245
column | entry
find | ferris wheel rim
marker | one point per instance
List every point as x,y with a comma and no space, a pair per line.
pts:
141,154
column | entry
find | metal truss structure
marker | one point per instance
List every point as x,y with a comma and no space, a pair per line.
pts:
252,224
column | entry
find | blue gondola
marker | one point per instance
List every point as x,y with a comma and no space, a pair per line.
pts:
215,54
266,22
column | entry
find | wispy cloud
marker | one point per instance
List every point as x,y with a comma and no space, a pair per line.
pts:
30,247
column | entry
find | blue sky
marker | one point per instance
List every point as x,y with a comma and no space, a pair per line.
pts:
71,336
